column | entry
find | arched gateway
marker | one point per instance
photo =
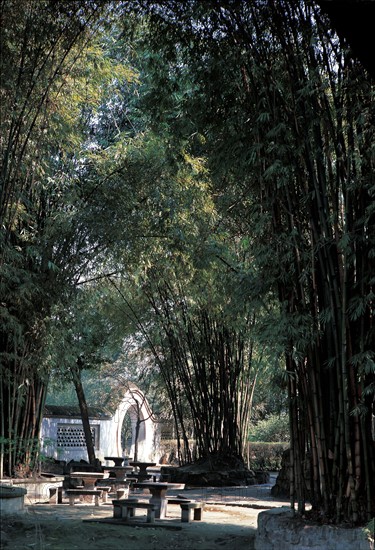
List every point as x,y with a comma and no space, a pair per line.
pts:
114,434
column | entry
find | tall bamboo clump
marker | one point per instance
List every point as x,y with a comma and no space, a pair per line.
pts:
208,368
318,188
37,44
288,121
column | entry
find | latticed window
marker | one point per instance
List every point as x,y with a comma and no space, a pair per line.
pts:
72,435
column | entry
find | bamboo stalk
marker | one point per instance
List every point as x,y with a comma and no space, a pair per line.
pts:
292,469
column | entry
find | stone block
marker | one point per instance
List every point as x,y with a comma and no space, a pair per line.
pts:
279,529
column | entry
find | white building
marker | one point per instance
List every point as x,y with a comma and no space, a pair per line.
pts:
63,437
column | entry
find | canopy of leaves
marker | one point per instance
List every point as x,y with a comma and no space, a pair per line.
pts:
285,119
53,79
222,183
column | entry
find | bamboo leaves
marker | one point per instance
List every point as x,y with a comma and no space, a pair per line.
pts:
288,134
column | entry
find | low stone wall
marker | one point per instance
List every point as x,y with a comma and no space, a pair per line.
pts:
279,530
11,500
35,489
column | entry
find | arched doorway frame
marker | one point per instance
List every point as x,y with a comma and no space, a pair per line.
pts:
135,403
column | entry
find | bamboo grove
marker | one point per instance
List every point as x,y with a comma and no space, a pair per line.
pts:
264,99
207,363
323,210
39,50
287,119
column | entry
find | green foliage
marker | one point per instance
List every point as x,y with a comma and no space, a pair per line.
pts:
45,244
287,130
222,182
266,456
21,447
274,428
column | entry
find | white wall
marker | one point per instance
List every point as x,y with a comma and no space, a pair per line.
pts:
49,436
109,432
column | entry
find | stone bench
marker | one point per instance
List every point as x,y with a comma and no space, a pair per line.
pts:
101,486
55,495
74,493
125,509
122,493
105,491
190,509
177,500
114,483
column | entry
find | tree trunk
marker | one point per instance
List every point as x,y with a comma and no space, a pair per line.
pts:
76,375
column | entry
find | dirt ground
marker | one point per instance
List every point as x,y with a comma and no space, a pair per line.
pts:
229,522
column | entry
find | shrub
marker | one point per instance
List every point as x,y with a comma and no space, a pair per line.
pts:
266,456
275,428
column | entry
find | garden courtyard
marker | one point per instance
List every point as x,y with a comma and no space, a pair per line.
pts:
229,521
187,252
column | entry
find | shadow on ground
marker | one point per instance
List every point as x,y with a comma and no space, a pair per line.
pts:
229,522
